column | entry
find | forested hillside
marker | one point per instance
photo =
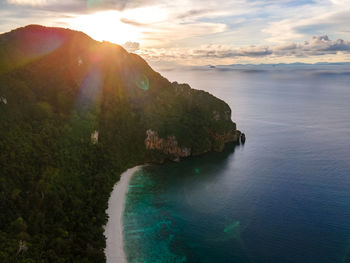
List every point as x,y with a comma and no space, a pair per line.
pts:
74,114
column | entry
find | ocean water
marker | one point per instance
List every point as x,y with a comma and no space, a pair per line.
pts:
284,196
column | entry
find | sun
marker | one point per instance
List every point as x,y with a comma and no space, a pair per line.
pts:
106,26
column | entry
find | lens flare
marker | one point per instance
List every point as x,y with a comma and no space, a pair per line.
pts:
90,88
142,82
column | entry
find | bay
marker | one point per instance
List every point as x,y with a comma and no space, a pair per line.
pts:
283,196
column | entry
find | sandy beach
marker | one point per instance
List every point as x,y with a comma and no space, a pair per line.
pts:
114,229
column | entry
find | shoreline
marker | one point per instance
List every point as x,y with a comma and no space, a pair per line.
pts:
114,250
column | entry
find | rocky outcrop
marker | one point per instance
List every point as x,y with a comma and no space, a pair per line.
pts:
221,139
94,137
167,146
232,136
3,100
243,138
171,148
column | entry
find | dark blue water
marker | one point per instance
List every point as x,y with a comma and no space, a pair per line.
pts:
282,197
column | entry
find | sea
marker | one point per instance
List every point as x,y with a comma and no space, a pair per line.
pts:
283,196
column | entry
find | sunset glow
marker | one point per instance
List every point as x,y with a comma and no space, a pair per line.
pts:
105,26
118,26
201,32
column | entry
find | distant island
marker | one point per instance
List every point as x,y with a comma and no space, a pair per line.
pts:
75,113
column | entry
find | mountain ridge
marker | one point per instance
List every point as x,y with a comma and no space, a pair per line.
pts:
77,114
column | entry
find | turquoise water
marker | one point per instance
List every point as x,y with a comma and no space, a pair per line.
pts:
282,197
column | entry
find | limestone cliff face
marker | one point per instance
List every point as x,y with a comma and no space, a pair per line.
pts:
221,139
232,136
170,146
167,146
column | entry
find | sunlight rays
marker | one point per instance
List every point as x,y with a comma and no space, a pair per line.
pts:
120,26
105,26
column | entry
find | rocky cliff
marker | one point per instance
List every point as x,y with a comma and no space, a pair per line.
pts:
221,139
172,150
168,146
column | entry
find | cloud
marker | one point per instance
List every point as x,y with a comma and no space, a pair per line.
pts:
202,29
194,13
219,51
80,6
165,33
317,46
321,19
133,23
131,46
27,2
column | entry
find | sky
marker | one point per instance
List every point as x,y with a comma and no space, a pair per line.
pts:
200,32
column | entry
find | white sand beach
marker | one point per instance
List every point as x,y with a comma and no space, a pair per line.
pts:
114,229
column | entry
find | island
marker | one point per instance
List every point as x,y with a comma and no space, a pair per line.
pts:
75,113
